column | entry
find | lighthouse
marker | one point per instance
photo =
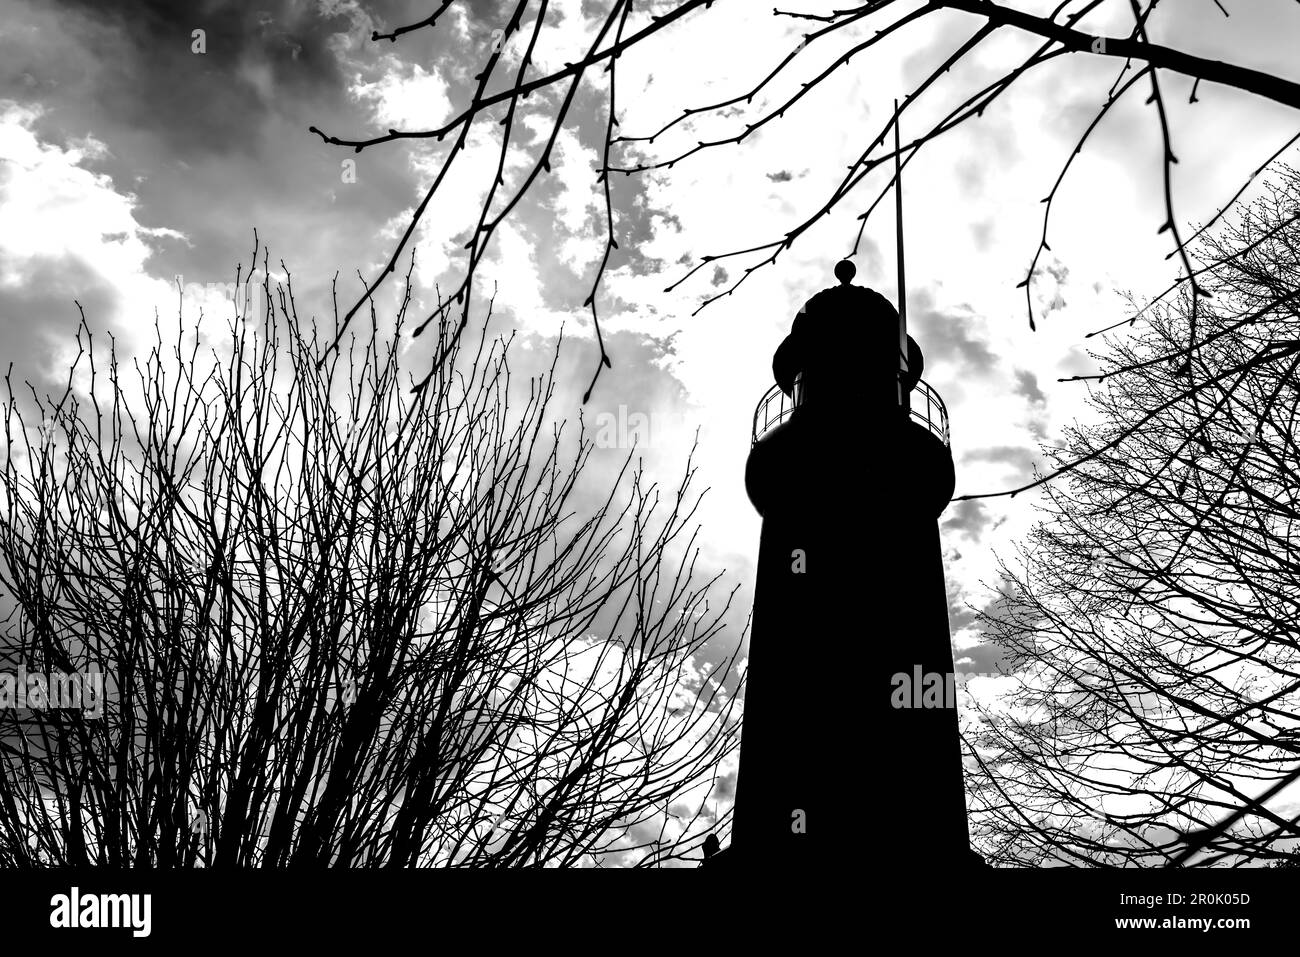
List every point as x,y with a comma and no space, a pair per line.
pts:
850,469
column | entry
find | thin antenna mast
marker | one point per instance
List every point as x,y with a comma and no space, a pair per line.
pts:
902,282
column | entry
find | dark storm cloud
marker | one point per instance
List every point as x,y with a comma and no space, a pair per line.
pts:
258,56
39,313
213,145
783,176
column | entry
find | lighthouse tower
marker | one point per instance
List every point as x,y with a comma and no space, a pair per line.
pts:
850,745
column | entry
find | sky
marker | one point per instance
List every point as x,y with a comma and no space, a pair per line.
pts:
132,166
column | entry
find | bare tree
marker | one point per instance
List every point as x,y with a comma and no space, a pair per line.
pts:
507,92
1150,622
340,623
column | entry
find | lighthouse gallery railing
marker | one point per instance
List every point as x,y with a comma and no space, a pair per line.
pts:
926,408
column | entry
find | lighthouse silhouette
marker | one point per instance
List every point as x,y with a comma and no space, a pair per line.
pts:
841,754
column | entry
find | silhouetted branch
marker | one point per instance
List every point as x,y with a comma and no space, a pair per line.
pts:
341,622
1063,32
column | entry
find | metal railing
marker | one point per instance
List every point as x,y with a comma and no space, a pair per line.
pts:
925,406
775,407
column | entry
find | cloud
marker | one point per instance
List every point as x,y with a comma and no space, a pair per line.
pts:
981,659
968,518
1048,287
177,156
67,233
950,336
1027,385
207,147
1019,459
257,58
406,98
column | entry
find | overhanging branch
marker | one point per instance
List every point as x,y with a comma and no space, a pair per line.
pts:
1270,87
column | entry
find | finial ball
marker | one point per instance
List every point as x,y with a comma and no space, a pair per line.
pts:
845,271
